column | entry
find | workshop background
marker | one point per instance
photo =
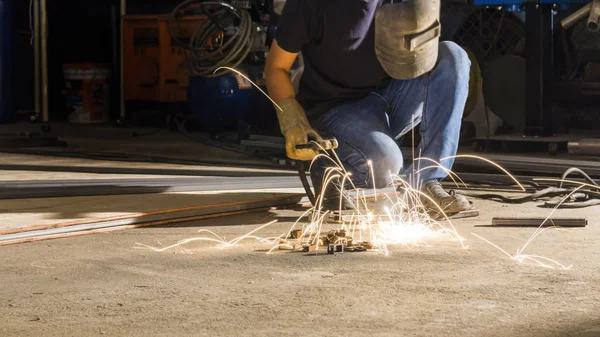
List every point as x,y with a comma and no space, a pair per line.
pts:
119,144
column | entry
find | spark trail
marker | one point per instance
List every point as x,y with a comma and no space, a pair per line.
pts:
403,221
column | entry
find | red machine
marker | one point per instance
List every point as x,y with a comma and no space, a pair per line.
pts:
155,66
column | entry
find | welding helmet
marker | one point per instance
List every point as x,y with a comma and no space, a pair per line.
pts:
407,35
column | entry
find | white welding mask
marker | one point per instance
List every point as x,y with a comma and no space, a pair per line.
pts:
407,35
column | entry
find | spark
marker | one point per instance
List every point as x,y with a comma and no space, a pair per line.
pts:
489,162
249,80
582,184
520,257
404,221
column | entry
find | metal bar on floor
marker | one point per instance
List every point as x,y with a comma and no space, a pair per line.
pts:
98,187
537,222
145,219
200,172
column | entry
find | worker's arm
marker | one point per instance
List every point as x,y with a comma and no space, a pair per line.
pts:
277,73
292,118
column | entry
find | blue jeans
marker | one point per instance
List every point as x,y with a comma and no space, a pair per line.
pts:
369,129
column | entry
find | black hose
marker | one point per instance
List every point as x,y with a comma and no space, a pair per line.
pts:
545,193
203,62
305,184
592,196
572,205
580,171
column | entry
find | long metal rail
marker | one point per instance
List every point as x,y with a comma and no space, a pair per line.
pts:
96,187
162,217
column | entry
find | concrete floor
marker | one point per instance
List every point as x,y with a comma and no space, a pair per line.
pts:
106,141
104,285
22,213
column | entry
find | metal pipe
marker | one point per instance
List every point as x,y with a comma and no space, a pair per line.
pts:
594,18
575,17
44,47
212,172
93,187
123,11
537,222
585,146
115,56
36,55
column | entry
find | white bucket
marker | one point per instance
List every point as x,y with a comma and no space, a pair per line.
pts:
87,92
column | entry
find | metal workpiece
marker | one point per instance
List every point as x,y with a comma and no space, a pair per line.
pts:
585,147
537,222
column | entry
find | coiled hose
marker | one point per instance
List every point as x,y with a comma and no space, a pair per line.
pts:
203,61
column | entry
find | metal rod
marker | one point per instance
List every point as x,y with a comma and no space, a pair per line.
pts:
585,146
537,222
44,47
575,17
210,172
115,59
125,227
36,55
152,218
123,111
93,187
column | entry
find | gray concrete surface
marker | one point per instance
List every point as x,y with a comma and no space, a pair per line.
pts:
102,285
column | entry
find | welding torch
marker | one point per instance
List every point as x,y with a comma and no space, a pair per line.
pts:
324,144
319,145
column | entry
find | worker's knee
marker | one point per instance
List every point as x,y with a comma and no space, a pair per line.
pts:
453,64
377,162
377,159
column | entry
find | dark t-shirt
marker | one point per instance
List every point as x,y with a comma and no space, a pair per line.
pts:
336,38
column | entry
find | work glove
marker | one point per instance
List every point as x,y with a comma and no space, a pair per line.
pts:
296,129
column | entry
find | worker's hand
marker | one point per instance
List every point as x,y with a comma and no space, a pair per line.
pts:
300,136
297,130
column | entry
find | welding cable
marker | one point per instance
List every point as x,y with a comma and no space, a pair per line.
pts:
305,184
202,61
580,171
545,193
576,204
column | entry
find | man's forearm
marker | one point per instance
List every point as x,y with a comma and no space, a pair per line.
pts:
279,84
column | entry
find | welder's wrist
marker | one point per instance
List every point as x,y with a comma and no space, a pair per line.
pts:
291,116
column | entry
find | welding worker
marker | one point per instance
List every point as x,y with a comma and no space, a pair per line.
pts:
356,90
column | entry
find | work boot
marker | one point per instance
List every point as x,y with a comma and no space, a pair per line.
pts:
450,204
365,204
332,196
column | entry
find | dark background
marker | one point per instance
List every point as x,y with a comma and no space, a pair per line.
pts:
78,31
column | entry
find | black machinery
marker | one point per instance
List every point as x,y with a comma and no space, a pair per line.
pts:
546,53
237,34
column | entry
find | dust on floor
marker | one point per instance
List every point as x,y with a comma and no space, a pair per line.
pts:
103,285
